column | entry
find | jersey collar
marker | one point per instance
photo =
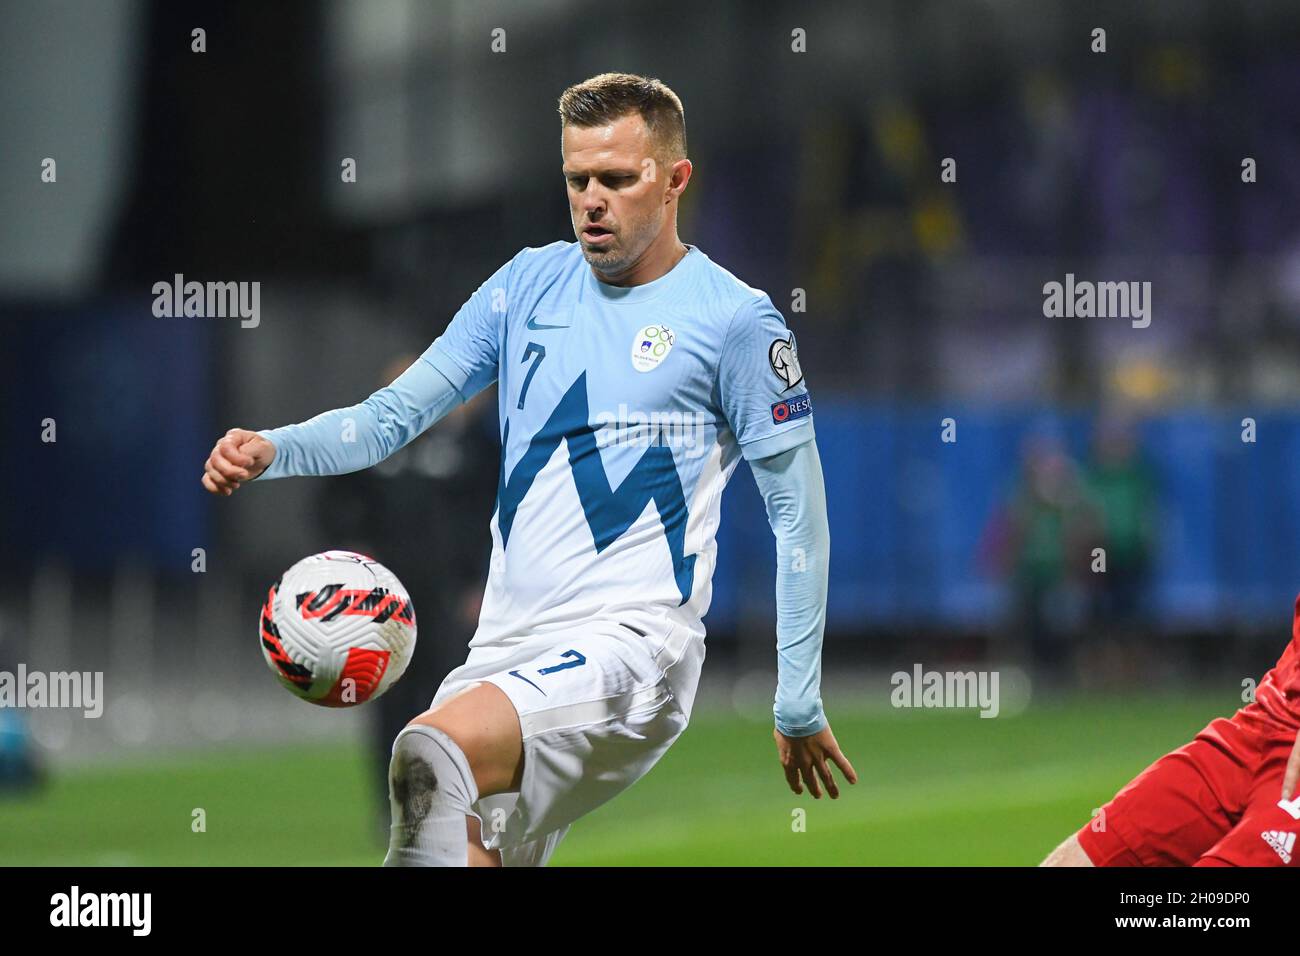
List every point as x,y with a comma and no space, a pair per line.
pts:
640,293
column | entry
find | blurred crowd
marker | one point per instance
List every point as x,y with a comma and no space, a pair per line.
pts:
1076,540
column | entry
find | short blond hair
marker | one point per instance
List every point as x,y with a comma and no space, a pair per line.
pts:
610,96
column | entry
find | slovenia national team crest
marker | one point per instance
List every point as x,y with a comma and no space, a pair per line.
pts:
651,346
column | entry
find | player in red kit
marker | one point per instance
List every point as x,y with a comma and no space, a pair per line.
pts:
1228,798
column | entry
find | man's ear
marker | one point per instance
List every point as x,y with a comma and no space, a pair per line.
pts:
681,176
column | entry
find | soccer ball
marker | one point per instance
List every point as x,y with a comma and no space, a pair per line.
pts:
337,629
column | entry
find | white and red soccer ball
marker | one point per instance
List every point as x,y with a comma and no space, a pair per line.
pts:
337,629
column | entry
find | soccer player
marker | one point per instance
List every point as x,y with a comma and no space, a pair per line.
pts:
1226,799
633,375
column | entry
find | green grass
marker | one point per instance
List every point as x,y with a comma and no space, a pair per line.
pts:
936,788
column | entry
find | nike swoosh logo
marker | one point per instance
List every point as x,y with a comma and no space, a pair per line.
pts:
536,326
528,682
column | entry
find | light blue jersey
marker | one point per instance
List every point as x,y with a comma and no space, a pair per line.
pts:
624,411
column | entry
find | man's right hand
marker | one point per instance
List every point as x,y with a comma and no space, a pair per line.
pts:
239,456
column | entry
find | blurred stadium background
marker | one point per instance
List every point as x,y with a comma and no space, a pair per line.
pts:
814,171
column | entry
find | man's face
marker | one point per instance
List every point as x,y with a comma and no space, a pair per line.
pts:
617,192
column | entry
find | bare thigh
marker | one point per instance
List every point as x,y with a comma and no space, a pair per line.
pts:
483,723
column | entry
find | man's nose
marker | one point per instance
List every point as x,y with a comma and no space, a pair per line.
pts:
593,199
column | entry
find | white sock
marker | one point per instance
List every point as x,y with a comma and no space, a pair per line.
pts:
430,791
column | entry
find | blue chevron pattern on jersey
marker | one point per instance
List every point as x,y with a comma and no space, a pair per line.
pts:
609,511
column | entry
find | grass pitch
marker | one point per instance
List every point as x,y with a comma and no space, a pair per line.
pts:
935,789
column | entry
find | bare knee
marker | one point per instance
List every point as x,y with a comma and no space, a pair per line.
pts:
1069,853
483,723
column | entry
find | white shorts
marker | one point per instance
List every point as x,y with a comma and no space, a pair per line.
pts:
598,707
